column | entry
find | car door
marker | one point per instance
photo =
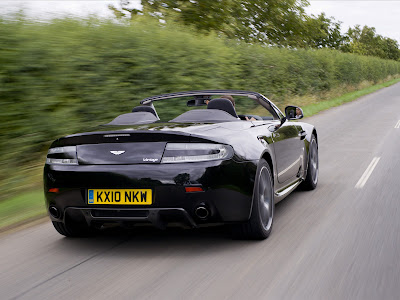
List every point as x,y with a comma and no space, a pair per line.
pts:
288,148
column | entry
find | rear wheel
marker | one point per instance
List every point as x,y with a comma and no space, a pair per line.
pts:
73,229
259,226
311,180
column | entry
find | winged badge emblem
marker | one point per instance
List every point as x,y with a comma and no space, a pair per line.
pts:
117,152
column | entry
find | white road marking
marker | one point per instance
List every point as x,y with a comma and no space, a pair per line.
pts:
398,124
367,173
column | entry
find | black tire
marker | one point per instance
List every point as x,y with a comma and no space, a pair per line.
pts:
311,180
259,226
73,229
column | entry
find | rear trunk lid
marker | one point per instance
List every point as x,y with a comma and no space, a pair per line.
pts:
120,153
144,144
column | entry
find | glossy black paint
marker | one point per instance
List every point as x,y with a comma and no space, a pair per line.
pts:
134,153
227,184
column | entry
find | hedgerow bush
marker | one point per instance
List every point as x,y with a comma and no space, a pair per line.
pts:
57,77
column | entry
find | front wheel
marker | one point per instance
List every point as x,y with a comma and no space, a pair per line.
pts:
259,226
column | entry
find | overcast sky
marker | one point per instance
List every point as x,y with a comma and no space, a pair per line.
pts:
383,15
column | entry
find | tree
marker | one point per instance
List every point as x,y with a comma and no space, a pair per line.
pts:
276,22
391,48
282,23
273,22
365,41
125,10
322,32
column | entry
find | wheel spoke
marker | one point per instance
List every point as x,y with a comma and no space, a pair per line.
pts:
265,213
265,199
262,184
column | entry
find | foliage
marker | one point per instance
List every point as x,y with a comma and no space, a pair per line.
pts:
273,22
314,108
125,10
61,76
204,16
365,41
322,32
22,208
282,23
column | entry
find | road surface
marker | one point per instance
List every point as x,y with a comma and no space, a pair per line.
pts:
340,241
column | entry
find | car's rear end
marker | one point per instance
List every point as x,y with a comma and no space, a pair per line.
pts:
148,176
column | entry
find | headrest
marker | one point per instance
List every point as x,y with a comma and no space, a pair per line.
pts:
223,104
144,108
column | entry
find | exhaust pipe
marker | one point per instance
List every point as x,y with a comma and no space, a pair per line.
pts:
54,212
202,212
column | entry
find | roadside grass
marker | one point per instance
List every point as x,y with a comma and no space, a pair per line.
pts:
22,208
30,206
315,108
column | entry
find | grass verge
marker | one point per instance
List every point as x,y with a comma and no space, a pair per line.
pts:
30,206
315,108
22,208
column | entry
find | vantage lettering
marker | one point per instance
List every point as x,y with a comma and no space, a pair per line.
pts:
150,159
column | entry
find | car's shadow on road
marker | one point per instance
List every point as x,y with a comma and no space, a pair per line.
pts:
143,241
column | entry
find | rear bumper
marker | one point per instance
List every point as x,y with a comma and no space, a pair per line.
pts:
228,187
158,217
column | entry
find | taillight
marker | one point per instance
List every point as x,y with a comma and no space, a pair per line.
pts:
194,152
62,156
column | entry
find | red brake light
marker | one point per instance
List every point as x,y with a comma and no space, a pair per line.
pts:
191,189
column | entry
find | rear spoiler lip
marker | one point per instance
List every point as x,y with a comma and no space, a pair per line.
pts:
131,137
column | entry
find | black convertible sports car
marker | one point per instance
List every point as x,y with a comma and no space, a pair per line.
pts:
207,165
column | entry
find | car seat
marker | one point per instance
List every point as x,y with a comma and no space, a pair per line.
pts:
145,109
222,104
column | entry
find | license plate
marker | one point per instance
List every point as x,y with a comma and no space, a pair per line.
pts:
120,196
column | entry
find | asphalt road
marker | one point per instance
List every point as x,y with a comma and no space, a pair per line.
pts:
340,241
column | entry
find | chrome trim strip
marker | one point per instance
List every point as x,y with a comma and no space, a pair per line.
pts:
288,189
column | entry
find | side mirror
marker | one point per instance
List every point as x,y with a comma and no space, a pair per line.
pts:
293,113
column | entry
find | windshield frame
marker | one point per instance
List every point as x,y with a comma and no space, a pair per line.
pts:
259,98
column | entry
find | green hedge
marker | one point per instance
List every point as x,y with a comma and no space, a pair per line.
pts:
58,76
